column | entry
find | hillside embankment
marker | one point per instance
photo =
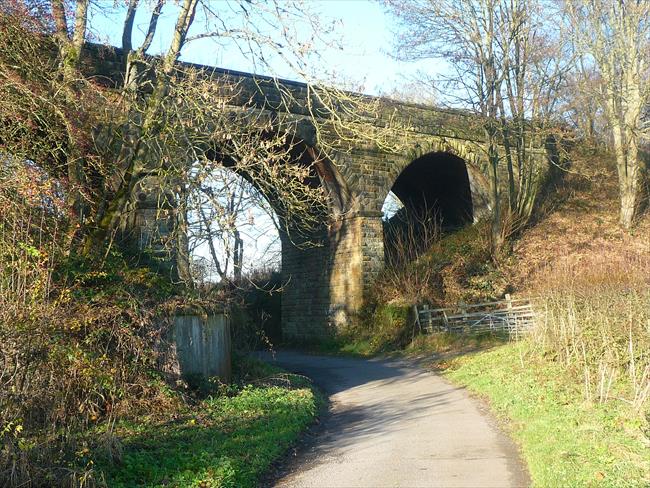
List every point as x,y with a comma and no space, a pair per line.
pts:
577,392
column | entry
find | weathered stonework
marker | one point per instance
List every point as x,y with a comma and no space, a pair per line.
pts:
325,285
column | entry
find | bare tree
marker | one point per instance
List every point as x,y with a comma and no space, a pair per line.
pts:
614,38
580,106
228,218
418,88
502,66
167,115
464,33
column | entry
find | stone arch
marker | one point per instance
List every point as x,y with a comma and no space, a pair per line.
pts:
306,270
441,186
456,150
310,283
437,184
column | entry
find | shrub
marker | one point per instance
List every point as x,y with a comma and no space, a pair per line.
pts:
382,327
79,343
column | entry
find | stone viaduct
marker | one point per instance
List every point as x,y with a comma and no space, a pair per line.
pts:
438,157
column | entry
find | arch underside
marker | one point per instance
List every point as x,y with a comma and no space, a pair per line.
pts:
436,195
311,256
437,184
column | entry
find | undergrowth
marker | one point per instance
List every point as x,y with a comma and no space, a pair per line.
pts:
86,354
79,343
455,268
226,440
82,343
595,322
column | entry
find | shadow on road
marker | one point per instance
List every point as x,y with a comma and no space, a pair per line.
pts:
373,402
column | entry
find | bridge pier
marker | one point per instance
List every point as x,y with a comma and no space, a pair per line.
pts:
325,286
305,294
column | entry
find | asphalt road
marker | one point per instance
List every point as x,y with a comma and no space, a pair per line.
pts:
393,424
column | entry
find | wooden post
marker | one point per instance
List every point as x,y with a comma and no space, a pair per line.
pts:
463,310
417,317
425,310
509,307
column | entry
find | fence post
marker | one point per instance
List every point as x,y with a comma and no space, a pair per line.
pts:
427,314
417,318
511,325
463,310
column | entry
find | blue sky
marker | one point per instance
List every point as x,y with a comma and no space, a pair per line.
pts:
364,33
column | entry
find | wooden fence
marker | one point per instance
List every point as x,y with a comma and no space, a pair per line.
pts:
510,316
203,346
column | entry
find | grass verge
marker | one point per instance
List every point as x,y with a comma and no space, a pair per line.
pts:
565,440
224,441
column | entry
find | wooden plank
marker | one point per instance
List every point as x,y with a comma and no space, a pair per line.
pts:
494,319
439,311
476,305
501,310
493,314
498,302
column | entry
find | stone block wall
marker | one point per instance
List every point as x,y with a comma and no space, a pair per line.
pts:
372,248
305,292
346,271
323,285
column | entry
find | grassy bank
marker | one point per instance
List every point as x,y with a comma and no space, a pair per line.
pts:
223,441
565,440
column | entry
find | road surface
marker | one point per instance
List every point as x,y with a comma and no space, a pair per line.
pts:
394,424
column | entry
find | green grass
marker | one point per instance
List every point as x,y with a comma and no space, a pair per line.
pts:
383,328
227,441
444,345
564,440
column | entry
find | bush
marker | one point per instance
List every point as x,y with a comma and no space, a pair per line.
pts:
80,358
79,343
382,327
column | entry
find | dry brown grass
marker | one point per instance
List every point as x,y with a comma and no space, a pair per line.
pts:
592,281
596,322
408,276
579,226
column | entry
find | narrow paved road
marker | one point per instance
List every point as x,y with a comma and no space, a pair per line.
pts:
393,424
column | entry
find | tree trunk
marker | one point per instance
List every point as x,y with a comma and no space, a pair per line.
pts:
496,228
181,241
213,250
629,181
238,257
133,152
